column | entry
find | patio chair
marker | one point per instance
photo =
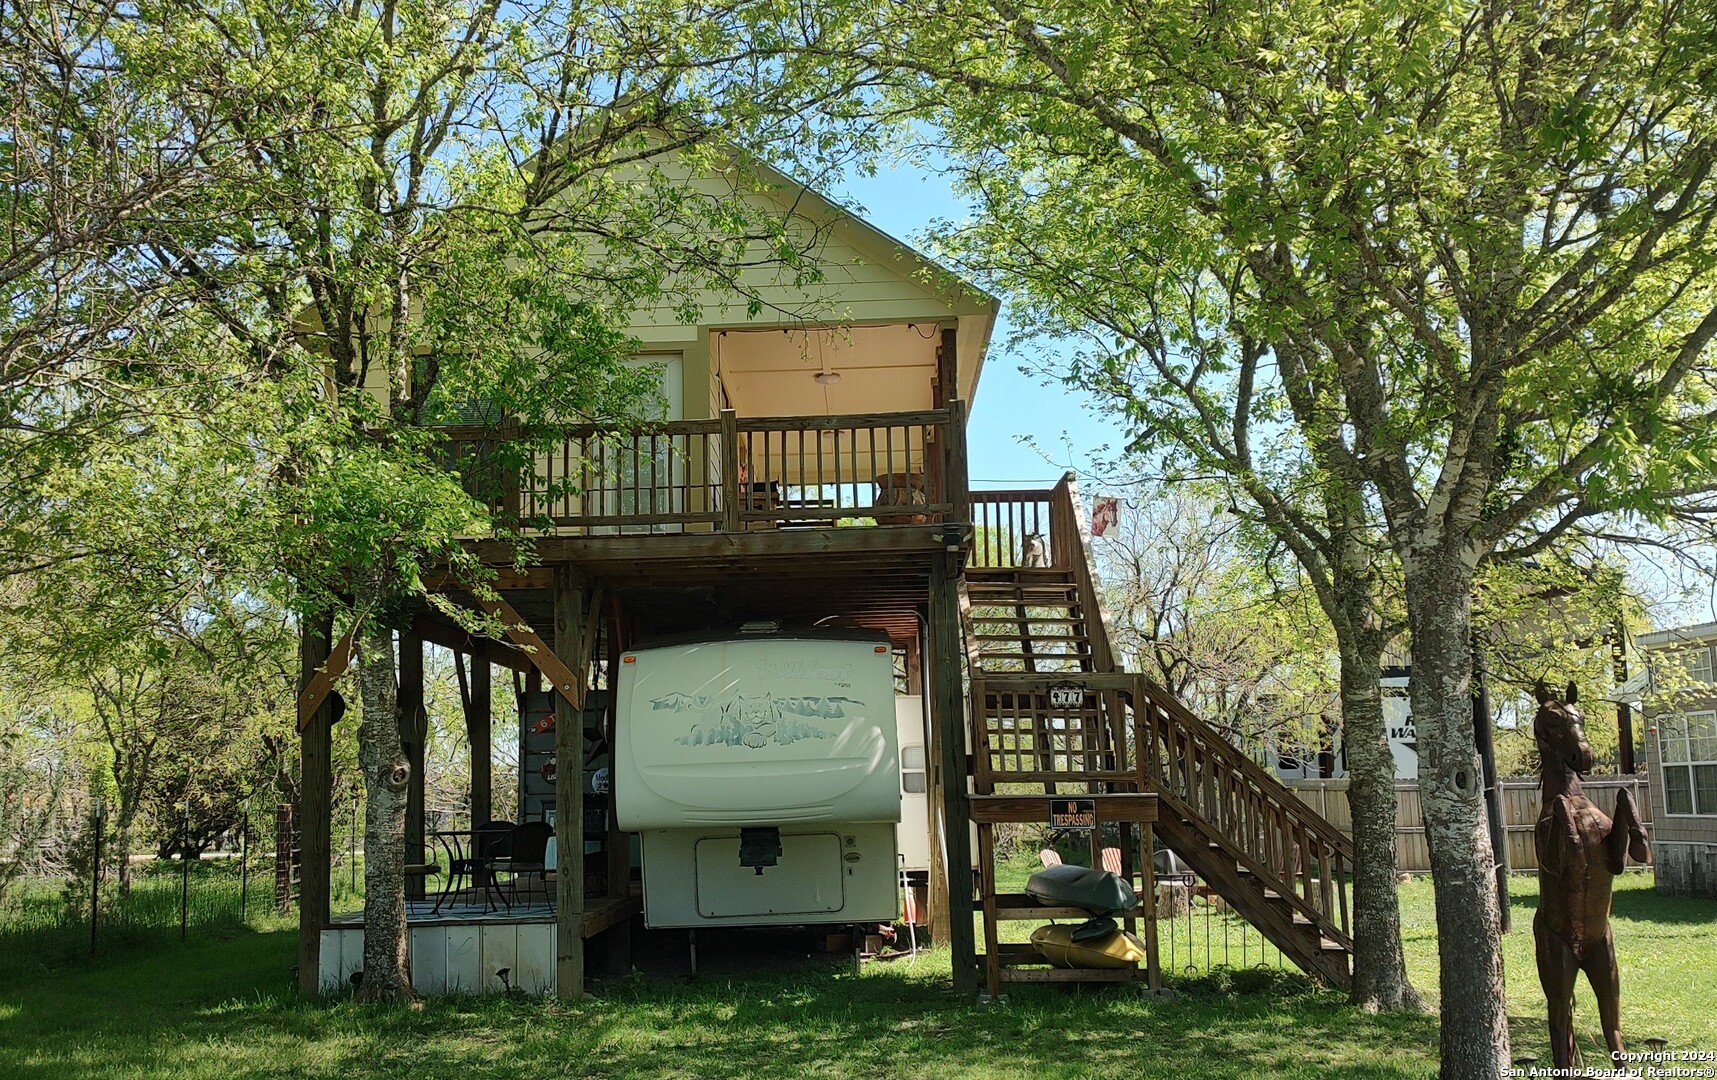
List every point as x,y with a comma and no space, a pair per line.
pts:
1049,857
1165,864
527,851
470,862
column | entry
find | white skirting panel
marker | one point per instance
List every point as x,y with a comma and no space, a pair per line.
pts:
455,958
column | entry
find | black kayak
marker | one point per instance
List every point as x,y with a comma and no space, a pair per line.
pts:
1096,891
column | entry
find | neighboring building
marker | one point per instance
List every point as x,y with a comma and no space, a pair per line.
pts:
1330,761
1681,752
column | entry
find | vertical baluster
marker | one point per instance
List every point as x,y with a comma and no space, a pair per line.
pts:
1340,876
1306,863
869,470
888,467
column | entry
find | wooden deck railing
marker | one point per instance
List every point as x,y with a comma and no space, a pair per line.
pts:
1269,831
1013,528
729,474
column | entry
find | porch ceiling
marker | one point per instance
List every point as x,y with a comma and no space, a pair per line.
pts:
881,369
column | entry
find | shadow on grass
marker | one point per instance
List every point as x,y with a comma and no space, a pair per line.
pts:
1648,905
224,1010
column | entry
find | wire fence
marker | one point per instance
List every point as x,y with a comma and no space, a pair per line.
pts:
93,911
1199,934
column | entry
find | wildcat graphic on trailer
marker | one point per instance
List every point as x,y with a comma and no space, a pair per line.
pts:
762,773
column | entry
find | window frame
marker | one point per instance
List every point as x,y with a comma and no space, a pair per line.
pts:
1675,752
1701,673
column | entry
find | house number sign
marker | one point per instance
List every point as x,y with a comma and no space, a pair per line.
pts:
1066,697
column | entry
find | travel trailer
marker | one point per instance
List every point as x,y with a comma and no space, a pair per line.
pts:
762,772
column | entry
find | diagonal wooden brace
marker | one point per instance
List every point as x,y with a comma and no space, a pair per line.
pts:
565,682
321,684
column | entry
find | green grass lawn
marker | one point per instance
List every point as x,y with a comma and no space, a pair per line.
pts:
222,1009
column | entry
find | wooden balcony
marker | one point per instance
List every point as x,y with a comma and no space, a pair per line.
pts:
725,475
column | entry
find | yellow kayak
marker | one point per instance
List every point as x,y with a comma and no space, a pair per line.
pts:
1118,950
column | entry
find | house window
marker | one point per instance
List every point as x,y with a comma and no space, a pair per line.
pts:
1699,664
1688,745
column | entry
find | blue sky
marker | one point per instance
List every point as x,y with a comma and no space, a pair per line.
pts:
1009,404
903,201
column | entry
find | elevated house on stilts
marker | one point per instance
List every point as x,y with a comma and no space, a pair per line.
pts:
812,472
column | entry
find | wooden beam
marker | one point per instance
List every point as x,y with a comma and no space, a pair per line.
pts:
319,683
617,941
610,916
413,734
572,654
478,698
933,736
948,715
732,491
1114,806
315,802
506,579
438,630
697,547
546,660
947,368
957,488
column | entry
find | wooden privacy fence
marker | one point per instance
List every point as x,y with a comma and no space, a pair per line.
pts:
1519,806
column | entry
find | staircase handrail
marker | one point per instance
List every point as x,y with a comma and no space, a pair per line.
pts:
1256,774
1073,536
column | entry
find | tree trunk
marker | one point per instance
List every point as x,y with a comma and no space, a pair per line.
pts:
119,852
1474,1040
1380,980
387,776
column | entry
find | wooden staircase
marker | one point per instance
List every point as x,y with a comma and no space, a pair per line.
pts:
1053,711
1027,619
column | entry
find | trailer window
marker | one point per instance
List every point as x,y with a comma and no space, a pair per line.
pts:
912,770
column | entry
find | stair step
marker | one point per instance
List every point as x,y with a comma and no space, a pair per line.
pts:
1033,620
989,572
1066,590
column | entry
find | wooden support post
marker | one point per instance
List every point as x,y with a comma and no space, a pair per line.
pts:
479,732
1148,883
617,940
570,648
948,717
734,491
315,805
992,940
954,473
947,368
933,737
413,734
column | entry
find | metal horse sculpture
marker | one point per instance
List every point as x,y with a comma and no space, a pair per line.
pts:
1580,851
